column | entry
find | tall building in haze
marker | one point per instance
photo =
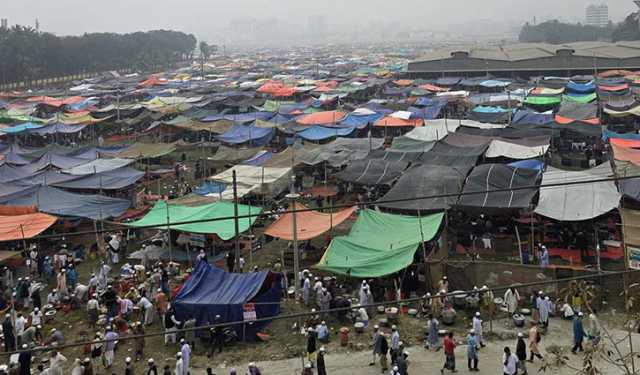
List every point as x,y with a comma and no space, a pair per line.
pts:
597,15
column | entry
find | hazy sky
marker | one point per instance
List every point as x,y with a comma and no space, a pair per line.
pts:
204,17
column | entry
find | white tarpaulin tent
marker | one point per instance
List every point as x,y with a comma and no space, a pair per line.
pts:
250,178
516,149
98,166
581,201
433,130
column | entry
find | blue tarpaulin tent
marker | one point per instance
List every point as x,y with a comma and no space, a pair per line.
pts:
241,134
211,291
318,133
528,117
581,88
360,121
209,187
61,203
606,134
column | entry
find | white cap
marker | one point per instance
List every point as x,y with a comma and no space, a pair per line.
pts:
580,313
252,364
323,322
178,355
406,352
322,349
150,361
472,331
393,327
307,365
395,368
477,313
374,327
485,287
520,334
128,359
24,346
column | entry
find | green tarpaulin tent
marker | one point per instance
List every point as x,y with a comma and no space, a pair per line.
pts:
543,100
379,244
580,98
225,229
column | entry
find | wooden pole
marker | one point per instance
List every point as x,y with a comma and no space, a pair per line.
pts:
236,223
169,232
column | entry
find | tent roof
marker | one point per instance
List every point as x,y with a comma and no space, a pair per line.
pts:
24,226
379,244
310,224
422,181
577,202
209,286
225,229
321,118
488,177
62,203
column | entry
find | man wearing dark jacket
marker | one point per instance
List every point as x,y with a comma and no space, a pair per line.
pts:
384,349
322,369
403,364
521,353
9,337
24,359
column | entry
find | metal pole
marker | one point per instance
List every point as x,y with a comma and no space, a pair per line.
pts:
24,241
236,222
169,232
296,253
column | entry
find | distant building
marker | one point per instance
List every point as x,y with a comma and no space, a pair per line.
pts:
527,60
4,23
597,15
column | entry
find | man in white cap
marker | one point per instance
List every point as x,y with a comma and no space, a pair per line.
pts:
253,369
376,344
362,294
395,343
320,365
128,366
477,327
153,369
306,290
443,284
24,359
403,363
472,351
179,370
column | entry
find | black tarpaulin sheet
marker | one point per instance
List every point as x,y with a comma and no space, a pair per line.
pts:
372,171
407,144
460,158
490,117
422,181
394,156
578,111
488,177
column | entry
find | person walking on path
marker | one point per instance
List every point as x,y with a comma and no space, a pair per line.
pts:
534,340
521,353
395,344
449,354
477,327
472,351
376,344
509,362
384,349
433,340
320,365
578,333
311,345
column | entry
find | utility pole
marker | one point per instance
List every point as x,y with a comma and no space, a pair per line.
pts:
293,198
236,223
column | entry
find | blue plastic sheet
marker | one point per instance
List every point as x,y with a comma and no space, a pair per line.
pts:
360,121
581,88
318,133
211,291
527,117
210,187
241,134
606,134
529,164
61,203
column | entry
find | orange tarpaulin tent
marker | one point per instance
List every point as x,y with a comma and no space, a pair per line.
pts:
632,143
310,224
399,122
24,226
626,154
566,120
321,118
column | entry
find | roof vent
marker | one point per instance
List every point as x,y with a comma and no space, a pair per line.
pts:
460,54
565,52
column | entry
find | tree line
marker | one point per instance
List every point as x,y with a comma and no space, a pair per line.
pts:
27,54
556,32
